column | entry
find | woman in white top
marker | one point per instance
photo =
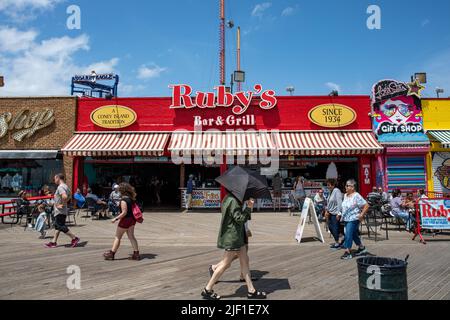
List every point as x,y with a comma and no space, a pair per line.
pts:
299,191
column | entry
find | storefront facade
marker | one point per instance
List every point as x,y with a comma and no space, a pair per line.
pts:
398,124
32,133
157,143
437,125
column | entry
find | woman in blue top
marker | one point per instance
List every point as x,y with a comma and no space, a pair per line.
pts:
354,208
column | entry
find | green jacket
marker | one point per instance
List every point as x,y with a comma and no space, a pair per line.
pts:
232,229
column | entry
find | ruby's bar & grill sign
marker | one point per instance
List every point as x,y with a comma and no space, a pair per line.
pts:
239,103
435,213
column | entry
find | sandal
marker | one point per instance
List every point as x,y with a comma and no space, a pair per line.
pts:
257,295
210,295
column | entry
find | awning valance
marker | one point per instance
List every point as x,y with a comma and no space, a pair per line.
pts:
28,154
328,143
116,144
286,143
237,143
443,136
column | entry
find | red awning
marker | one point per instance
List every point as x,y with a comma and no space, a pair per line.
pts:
116,144
317,143
327,143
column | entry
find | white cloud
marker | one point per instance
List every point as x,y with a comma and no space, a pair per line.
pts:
23,9
145,72
289,11
46,67
130,89
333,86
259,9
425,22
13,40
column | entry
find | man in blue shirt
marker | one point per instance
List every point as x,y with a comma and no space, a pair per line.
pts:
189,190
99,205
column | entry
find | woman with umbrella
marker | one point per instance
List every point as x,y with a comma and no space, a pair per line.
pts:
232,235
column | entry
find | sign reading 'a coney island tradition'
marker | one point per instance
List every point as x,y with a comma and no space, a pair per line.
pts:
113,117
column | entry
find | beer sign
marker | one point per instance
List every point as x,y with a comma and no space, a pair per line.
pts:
332,115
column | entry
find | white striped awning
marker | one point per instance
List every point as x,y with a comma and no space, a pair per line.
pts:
443,136
328,143
116,144
235,143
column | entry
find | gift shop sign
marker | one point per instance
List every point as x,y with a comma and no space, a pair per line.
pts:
113,117
332,115
238,103
26,123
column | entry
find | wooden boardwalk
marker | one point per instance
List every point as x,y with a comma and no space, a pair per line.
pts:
178,248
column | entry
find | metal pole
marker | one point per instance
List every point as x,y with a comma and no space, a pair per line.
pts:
222,42
239,85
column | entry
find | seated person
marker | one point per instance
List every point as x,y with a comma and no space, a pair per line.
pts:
400,208
409,202
79,199
100,206
45,191
23,207
320,203
114,200
41,221
421,194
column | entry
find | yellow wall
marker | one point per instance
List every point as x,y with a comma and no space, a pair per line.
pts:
436,114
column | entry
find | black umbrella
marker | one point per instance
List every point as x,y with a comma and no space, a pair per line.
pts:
245,184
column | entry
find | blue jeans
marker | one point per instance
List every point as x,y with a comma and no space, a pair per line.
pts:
404,215
333,225
351,234
40,225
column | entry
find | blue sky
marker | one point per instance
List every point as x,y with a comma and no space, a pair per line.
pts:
313,45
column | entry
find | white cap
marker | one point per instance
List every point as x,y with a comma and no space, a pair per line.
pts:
116,186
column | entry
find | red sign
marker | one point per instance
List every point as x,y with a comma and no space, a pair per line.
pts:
160,115
238,102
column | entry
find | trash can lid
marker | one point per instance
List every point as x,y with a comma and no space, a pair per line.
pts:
390,263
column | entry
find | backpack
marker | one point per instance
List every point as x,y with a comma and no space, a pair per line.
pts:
137,213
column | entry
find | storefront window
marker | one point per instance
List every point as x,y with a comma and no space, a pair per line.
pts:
29,175
156,183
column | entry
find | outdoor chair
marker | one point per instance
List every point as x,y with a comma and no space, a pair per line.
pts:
374,222
71,216
92,209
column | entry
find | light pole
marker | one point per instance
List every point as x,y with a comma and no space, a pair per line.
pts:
438,91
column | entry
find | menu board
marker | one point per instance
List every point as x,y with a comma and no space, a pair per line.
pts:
202,198
286,199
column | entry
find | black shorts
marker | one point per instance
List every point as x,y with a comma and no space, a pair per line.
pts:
60,223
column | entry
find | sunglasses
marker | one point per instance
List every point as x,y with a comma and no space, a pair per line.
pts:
404,109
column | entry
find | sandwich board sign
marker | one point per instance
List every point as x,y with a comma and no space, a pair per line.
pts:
308,210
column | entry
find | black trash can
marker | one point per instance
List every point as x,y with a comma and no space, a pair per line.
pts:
382,278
